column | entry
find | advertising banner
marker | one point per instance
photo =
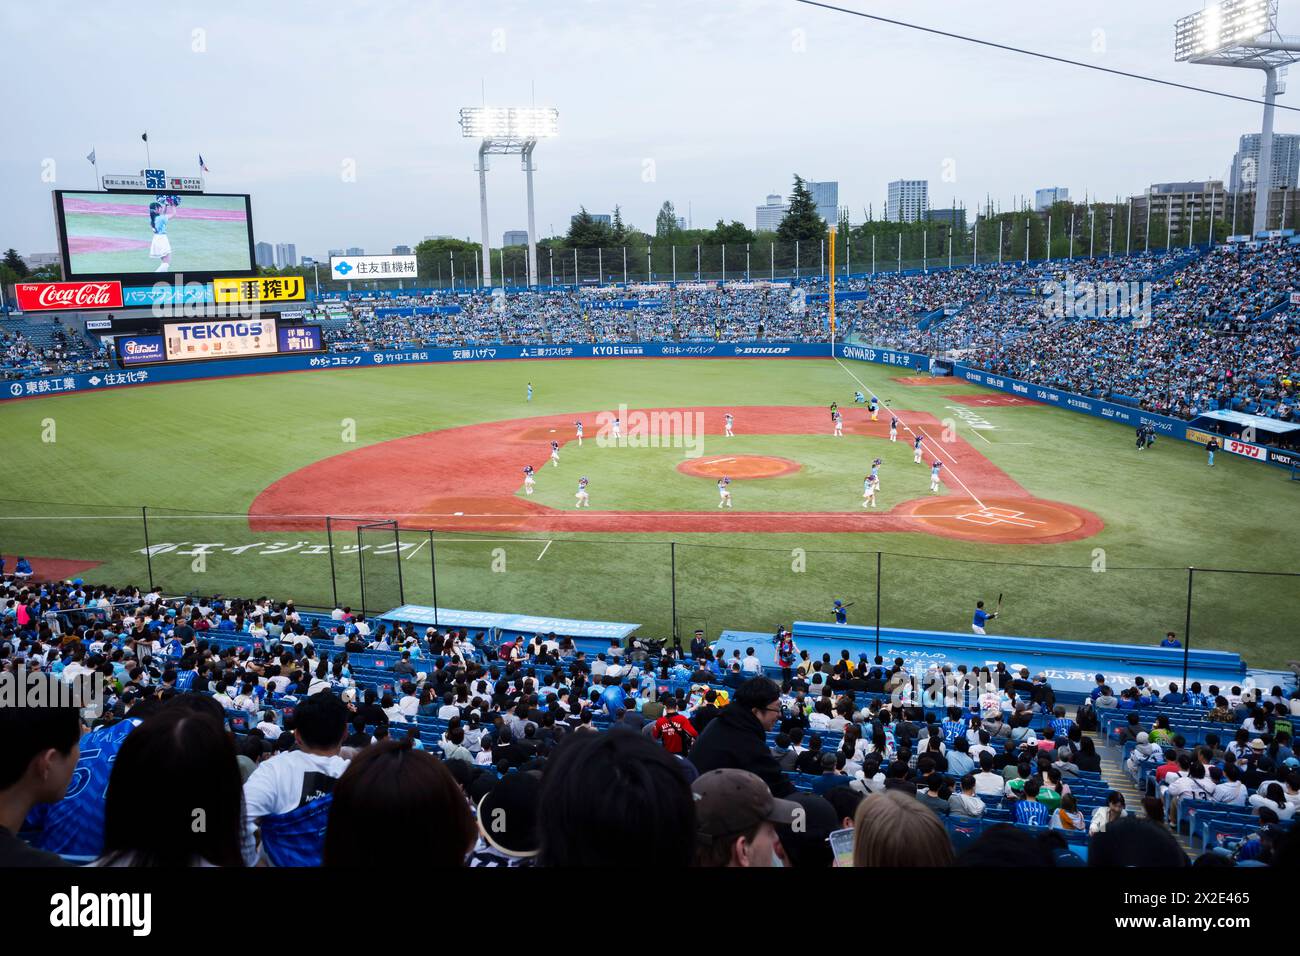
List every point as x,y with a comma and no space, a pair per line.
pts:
141,350
188,341
53,296
355,268
259,289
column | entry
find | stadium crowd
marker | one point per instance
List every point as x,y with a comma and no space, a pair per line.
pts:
280,725
1194,331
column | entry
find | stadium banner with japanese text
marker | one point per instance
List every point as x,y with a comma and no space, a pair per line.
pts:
867,353
259,289
364,268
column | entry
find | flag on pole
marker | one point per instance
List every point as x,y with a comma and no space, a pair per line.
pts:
203,167
144,137
91,158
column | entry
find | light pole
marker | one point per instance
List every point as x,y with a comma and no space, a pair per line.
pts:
1244,34
504,132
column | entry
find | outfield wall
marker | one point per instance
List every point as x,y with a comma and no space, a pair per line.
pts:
1125,415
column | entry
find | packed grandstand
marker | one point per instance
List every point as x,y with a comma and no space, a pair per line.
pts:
1219,334
322,738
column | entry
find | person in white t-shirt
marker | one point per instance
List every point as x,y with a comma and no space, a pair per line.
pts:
751,664
391,710
297,777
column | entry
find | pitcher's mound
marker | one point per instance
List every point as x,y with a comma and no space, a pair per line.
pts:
739,466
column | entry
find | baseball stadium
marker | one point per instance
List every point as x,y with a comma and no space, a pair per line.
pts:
968,535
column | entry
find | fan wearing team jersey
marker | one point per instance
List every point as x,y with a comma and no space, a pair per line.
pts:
673,730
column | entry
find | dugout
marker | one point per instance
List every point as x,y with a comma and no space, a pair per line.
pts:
1261,431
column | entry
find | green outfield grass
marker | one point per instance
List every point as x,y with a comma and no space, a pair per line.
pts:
647,479
195,452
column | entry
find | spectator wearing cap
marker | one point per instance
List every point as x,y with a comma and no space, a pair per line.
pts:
735,814
737,738
507,823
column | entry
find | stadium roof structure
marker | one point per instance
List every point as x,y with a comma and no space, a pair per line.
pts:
1271,425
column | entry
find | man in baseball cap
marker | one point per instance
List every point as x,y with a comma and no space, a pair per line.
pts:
735,814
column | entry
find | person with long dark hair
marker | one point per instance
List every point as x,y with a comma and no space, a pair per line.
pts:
393,795
174,795
160,246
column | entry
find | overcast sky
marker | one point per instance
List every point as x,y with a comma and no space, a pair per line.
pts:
708,103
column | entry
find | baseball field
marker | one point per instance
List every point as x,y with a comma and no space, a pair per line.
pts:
257,485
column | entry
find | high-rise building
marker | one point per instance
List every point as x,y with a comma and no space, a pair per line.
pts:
264,255
681,223
336,252
908,200
768,216
286,255
600,218
39,260
827,197
1044,198
401,250
955,217
1183,202
515,237
1242,176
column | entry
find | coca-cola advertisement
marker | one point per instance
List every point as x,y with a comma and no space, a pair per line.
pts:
51,296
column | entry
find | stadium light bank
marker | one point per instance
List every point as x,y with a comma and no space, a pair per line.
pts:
1243,34
506,132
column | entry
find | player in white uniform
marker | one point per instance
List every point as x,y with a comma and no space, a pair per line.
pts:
614,429
724,493
916,449
893,429
869,492
555,453
583,500
729,422
578,426
839,424
528,479
934,476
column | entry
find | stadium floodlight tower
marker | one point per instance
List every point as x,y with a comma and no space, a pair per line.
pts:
505,132
1243,33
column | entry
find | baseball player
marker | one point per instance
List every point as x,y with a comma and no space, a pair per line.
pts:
859,398
530,391
583,500
835,407
875,472
934,476
615,429
1211,447
981,617
841,613
555,453
729,422
578,427
874,407
868,492
528,479
916,449
723,493
838,419
893,429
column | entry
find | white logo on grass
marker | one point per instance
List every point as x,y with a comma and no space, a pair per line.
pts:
658,429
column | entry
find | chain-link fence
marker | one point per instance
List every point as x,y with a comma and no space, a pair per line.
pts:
660,584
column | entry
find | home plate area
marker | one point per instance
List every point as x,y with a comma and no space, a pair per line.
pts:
1006,520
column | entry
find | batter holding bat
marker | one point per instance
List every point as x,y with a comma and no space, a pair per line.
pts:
841,611
982,616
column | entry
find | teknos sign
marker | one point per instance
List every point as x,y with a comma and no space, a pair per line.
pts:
50,296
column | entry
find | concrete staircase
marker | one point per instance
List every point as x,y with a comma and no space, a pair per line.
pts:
1112,771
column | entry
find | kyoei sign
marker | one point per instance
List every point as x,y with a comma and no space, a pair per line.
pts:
50,296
